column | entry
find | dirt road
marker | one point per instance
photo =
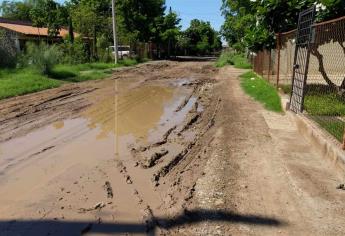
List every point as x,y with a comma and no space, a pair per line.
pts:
164,148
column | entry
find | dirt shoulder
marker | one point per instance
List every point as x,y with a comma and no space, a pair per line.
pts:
262,177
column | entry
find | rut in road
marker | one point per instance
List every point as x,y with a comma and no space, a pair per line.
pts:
196,156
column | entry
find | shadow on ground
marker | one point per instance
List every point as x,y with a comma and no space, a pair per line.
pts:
57,227
193,58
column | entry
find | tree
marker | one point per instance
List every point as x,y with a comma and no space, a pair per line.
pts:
183,42
92,18
47,13
141,20
16,10
170,29
202,37
252,24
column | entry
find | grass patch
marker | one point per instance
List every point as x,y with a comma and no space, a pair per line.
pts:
261,91
87,71
286,88
322,101
21,82
325,106
241,62
230,58
18,82
333,126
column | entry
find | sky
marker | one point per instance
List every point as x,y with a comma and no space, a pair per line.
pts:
208,10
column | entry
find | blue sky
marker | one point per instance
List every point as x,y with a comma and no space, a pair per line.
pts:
208,10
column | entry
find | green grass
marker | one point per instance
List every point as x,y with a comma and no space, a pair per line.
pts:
261,91
88,71
241,62
321,100
333,125
230,58
286,88
18,82
325,106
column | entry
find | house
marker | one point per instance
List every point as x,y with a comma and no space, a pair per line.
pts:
21,32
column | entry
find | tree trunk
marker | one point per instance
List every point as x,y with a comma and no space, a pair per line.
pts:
95,56
319,56
70,30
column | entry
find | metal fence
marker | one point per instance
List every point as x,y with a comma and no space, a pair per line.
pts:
325,87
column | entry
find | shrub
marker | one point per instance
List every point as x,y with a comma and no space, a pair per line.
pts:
42,56
74,53
232,58
226,58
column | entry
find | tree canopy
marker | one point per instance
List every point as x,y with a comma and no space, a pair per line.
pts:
202,38
252,24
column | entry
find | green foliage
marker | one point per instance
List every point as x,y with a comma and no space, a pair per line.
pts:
23,81
42,56
74,53
261,91
286,88
141,20
252,24
202,38
233,58
87,71
48,13
16,10
15,82
321,101
333,125
324,104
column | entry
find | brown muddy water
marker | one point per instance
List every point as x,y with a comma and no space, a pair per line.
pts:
77,169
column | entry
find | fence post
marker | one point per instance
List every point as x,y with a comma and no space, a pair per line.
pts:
278,57
269,66
344,140
261,64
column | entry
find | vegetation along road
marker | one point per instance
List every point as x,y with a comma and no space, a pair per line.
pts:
187,160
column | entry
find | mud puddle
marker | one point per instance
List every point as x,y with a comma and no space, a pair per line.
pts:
59,171
125,155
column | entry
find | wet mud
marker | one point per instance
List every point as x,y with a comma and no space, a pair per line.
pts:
103,152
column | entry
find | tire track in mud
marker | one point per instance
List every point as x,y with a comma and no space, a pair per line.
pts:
173,156
188,155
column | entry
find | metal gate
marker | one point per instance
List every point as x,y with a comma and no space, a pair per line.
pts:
301,60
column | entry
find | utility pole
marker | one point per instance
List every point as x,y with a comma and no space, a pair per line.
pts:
114,31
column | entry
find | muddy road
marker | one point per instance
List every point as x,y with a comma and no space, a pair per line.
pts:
164,148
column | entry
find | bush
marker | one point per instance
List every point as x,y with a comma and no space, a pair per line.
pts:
42,56
232,58
74,53
226,58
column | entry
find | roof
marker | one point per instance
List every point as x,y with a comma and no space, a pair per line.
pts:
27,29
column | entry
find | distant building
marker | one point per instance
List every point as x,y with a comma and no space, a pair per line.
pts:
21,32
